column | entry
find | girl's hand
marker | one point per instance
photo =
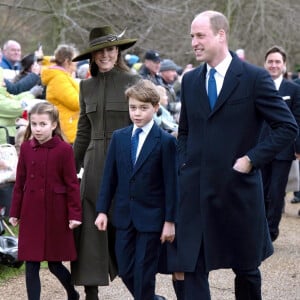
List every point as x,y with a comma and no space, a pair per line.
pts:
3,165
13,221
73,224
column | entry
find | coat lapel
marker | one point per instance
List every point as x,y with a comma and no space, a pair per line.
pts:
126,146
231,80
283,88
199,88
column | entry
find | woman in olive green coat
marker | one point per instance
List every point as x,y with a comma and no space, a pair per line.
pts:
103,109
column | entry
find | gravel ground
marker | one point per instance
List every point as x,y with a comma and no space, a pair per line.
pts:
280,273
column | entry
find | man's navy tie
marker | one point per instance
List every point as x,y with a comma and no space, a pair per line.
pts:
212,88
134,144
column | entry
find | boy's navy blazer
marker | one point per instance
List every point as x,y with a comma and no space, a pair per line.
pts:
145,194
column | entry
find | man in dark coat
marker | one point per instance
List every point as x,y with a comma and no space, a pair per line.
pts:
151,66
275,174
221,222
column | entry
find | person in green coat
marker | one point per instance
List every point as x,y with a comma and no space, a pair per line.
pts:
11,107
103,109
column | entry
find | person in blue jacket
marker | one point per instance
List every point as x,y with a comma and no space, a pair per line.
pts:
11,55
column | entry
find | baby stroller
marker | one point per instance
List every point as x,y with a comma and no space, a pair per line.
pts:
6,188
8,245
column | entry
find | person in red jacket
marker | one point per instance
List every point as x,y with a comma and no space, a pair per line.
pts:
46,200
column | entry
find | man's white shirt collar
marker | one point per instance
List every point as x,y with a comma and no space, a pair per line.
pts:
221,69
278,81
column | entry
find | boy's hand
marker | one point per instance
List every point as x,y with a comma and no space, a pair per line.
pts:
168,232
101,222
73,224
13,221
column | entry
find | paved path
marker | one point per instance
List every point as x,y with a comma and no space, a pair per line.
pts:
281,273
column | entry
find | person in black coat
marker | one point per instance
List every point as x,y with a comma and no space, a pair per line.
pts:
150,68
221,213
296,198
275,173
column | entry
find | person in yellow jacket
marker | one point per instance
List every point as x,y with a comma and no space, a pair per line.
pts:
62,89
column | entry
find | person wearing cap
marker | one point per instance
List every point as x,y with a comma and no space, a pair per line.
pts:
150,68
103,109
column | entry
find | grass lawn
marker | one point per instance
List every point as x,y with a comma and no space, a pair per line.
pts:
9,272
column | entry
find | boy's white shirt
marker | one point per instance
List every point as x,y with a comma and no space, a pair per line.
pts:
143,135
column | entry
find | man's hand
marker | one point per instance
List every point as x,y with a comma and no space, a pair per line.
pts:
101,222
243,165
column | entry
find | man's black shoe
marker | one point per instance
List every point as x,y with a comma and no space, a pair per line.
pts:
274,236
295,200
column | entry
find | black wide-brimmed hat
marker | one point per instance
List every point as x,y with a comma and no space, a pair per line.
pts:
102,37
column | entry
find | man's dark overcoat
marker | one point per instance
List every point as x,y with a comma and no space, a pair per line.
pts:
220,208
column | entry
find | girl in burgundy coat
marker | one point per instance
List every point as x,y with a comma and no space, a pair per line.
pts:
46,200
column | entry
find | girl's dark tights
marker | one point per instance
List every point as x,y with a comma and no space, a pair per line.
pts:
33,282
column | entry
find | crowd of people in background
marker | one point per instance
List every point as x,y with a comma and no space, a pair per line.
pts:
89,92
31,73
56,78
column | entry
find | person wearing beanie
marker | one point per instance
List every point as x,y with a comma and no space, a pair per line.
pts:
169,75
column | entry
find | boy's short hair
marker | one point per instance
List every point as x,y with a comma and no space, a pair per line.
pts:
145,91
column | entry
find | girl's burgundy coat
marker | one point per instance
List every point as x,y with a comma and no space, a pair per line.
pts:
46,196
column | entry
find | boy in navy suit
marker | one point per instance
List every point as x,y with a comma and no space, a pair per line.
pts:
142,181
